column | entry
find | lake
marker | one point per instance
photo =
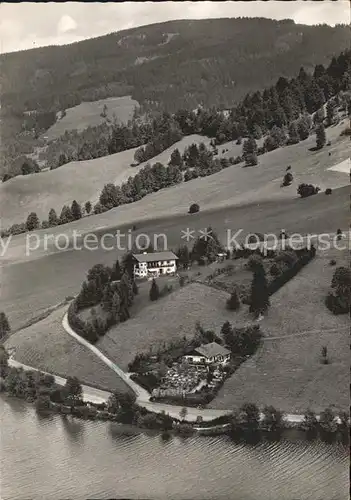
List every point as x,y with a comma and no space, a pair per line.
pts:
58,458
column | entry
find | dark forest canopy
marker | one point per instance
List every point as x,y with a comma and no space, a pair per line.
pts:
166,67
176,64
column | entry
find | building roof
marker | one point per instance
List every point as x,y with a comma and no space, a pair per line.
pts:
212,349
154,256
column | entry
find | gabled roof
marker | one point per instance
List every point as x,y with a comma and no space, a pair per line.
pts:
155,256
212,349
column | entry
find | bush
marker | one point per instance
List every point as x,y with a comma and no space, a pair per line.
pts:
332,262
338,300
148,381
275,270
194,208
328,191
253,261
233,303
287,180
305,190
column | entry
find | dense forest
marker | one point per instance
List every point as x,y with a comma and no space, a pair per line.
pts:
284,114
167,66
282,109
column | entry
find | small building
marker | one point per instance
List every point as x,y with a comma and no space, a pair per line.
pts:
208,354
154,264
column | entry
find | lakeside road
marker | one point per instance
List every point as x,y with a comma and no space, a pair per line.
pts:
143,397
90,394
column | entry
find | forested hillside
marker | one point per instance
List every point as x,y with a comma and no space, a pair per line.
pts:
178,64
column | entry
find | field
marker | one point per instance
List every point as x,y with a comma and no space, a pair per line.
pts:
45,345
287,373
344,166
169,318
87,114
78,180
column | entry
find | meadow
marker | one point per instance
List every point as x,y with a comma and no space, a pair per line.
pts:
78,180
287,371
45,345
88,114
165,320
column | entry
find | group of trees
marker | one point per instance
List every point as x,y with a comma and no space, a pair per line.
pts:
113,289
248,422
338,299
241,341
36,386
4,325
170,82
282,113
205,248
32,223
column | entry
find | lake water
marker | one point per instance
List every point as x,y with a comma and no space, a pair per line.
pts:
59,458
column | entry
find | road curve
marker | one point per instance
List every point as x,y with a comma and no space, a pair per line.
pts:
143,397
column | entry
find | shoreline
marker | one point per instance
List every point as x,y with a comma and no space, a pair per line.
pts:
98,396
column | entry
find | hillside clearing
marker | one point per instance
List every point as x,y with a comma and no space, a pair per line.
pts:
287,373
232,186
45,345
88,114
78,180
169,318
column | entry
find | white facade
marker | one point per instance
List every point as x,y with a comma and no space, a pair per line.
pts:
154,265
208,354
197,359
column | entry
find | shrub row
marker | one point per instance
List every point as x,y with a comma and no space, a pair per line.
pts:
304,257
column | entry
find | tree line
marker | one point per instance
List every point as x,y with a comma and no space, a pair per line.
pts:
281,113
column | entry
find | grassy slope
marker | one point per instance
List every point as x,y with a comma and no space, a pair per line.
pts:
233,186
167,319
288,373
45,345
87,114
80,180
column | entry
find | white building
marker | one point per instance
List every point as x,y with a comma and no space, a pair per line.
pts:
154,264
208,354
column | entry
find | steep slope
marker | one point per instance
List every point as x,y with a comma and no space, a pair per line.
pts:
168,65
178,62
78,180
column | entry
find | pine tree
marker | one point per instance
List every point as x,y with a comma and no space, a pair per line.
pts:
330,113
4,325
250,152
127,288
53,219
66,215
88,207
76,210
321,137
107,298
116,271
32,222
227,332
154,291
116,307
294,137
303,127
176,159
259,302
